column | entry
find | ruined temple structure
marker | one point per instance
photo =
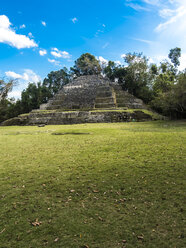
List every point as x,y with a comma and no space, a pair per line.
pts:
87,99
92,92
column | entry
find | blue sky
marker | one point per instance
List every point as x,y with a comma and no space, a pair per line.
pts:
39,36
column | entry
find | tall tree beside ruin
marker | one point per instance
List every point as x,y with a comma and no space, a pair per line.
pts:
86,64
174,56
55,81
5,88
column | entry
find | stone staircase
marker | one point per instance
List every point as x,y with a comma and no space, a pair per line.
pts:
57,101
126,100
105,98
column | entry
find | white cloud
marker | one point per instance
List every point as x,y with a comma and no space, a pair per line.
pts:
137,7
28,76
42,52
144,41
22,26
60,54
123,55
173,11
102,60
164,13
160,58
15,94
170,31
117,62
8,35
152,2
180,13
43,23
56,54
51,60
150,60
13,75
55,62
157,59
105,45
100,30
30,35
74,20
4,22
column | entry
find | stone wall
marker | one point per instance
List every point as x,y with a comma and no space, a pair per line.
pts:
76,117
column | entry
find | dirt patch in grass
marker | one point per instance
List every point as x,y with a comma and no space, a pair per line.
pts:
70,133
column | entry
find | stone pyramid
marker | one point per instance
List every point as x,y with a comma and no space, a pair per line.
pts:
92,92
87,99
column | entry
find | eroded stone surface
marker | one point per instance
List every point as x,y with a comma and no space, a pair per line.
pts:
76,117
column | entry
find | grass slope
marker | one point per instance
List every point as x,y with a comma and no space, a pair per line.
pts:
110,185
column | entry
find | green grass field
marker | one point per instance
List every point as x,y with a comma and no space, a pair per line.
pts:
93,185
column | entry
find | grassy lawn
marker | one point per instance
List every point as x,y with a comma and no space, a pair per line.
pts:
93,185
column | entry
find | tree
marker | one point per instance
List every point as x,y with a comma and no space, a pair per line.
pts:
114,71
5,88
174,56
154,69
164,79
55,81
33,96
172,101
179,91
162,84
36,94
5,103
86,64
137,80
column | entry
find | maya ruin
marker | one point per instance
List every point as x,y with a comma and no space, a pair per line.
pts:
87,99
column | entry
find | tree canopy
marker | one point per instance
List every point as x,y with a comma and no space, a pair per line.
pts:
86,64
5,87
174,56
56,80
6,105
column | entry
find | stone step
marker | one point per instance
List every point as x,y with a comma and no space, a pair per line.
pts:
122,100
51,107
104,88
122,95
56,102
120,105
59,97
50,101
105,105
104,100
104,94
